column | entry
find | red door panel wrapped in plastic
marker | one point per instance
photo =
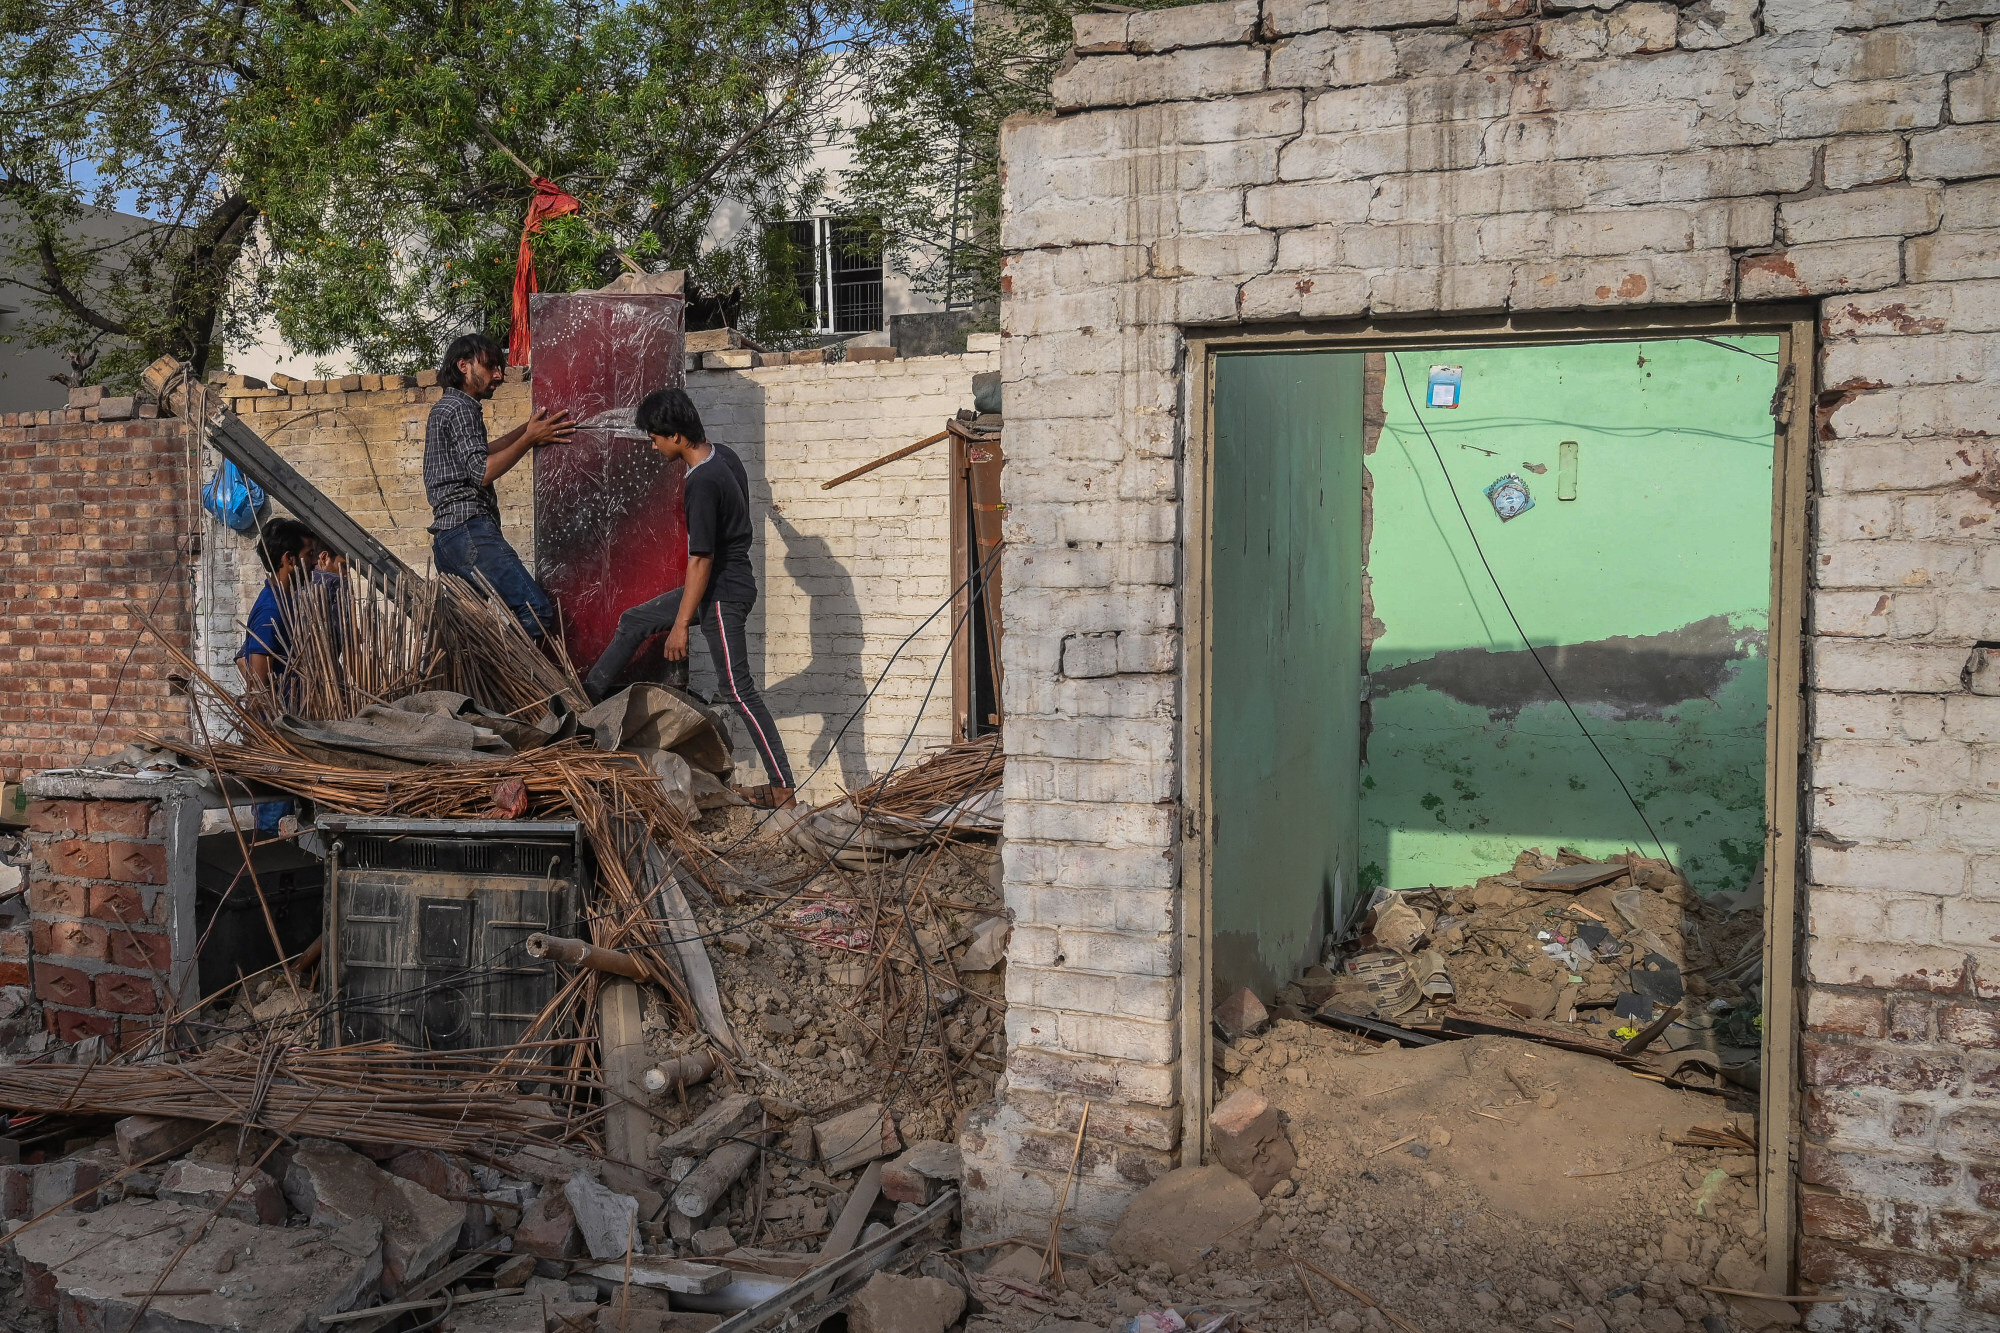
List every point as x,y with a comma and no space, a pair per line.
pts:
609,532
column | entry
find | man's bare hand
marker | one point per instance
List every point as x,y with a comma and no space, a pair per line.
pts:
546,428
677,644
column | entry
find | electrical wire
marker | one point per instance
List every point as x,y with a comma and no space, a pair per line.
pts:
1526,642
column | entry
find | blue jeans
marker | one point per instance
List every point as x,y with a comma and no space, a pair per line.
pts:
476,545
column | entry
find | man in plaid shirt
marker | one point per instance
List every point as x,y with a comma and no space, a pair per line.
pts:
460,468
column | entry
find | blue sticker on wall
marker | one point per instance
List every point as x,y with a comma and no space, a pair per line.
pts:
1510,497
1444,386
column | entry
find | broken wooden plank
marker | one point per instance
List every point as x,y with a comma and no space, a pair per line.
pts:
676,917
855,1137
167,380
622,1047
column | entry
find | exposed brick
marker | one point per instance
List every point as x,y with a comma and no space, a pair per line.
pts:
15,941
1920,1276
62,985
120,904
75,858
121,819
14,974
47,898
119,993
1852,1064
71,1025
1969,1027
137,862
1970,1235
140,949
1855,1014
1835,1217
56,817
70,939
1910,1017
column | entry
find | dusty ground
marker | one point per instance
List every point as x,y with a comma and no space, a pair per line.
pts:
1485,1184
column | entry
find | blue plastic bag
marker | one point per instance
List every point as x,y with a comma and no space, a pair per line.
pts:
233,497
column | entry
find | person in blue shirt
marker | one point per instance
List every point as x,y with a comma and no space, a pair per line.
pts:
287,548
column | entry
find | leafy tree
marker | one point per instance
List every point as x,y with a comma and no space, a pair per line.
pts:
360,171
927,163
109,101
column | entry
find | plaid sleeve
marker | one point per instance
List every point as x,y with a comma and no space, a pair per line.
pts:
455,453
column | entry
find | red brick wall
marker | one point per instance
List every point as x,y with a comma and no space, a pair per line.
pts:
98,910
92,520
1900,1160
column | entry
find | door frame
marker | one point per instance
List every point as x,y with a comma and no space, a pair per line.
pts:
1796,326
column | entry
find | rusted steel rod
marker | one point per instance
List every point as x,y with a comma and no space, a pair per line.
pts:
577,953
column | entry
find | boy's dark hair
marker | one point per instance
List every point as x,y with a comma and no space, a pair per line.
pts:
670,412
468,347
283,537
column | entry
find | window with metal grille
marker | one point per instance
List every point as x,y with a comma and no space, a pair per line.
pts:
835,264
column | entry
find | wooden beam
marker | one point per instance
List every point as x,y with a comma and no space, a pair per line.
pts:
623,1047
166,379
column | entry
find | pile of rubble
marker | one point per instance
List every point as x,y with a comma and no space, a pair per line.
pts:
1614,950
222,1228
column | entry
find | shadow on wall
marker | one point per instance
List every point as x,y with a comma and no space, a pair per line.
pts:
831,677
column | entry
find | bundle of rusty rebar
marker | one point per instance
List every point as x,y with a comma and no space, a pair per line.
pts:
953,774
372,1093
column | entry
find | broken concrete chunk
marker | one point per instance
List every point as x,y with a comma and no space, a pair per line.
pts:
1240,1015
1181,1214
360,1238
277,1282
205,1185
141,1137
59,1185
856,1138
988,947
333,1185
547,1228
608,1220
895,1304
922,1172
1250,1141
711,1241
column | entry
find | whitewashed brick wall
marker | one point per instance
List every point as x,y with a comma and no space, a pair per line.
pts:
845,575
1237,163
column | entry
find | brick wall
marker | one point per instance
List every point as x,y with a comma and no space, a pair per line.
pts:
844,576
1250,163
360,440
109,938
94,515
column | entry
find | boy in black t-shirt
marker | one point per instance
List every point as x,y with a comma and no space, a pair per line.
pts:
721,587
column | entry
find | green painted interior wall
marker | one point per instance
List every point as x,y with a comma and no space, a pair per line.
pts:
1648,595
1286,658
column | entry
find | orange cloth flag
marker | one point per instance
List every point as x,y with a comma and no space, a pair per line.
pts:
549,202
